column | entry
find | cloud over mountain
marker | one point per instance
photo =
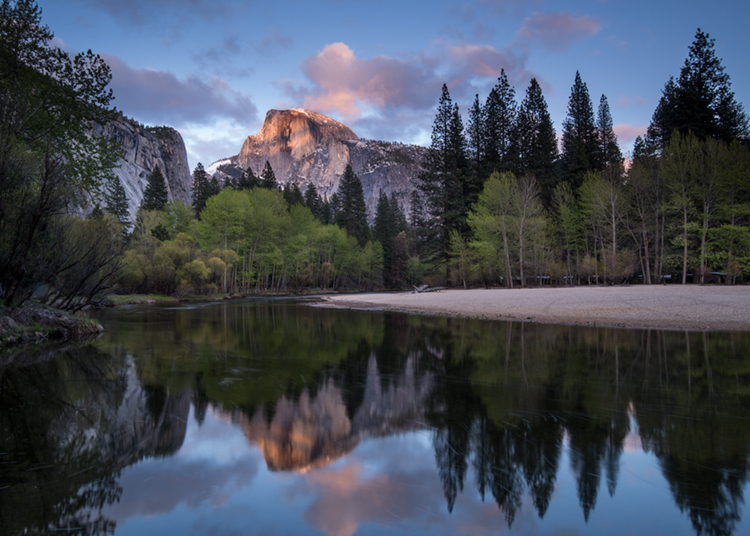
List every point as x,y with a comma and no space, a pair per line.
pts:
164,98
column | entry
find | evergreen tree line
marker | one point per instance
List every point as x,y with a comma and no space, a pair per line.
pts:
497,203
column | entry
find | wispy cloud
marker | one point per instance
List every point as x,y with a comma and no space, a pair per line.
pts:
468,60
164,98
558,30
141,12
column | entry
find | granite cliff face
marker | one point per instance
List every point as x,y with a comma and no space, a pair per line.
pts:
143,149
308,147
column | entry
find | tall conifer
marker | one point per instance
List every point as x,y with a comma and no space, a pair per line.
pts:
580,140
700,100
499,118
444,183
155,195
351,212
268,177
200,189
117,202
536,141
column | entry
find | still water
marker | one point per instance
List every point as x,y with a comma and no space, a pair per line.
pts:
275,417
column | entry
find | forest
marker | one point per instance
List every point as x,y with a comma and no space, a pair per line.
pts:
500,202
497,205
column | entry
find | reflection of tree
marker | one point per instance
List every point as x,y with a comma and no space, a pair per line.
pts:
697,428
53,478
711,496
503,397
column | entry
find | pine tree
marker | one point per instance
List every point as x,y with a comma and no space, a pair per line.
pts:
383,230
248,180
477,144
443,184
292,194
416,223
201,189
611,155
313,200
499,118
536,141
268,178
700,100
351,213
580,140
155,196
117,202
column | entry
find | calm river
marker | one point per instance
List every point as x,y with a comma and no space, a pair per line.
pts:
274,417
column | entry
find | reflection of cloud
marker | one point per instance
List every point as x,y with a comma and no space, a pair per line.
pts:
152,489
558,30
346,498
165,98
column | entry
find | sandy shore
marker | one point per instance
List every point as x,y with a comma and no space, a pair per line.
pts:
672,306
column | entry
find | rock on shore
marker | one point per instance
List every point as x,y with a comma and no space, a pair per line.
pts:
37,324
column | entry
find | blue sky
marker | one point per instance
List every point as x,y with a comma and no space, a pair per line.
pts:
212,68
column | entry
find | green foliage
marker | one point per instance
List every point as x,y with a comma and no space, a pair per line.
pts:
178,218
49,163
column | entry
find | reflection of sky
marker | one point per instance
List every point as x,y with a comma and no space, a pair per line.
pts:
219,484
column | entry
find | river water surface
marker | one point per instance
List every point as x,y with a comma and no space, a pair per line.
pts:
274,417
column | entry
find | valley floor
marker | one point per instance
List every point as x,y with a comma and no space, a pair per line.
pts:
659,306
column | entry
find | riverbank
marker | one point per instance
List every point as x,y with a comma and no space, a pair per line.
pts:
659,306
36,324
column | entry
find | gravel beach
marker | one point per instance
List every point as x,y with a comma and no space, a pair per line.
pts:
659,306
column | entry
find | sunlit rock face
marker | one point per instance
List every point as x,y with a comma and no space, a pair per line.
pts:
314,430
144,149
308,147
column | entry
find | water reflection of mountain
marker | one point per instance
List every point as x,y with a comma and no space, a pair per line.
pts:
149,422
70,424
315,429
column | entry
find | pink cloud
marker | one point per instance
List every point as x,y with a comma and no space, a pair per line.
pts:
161,98
558,30
344,83
626,133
